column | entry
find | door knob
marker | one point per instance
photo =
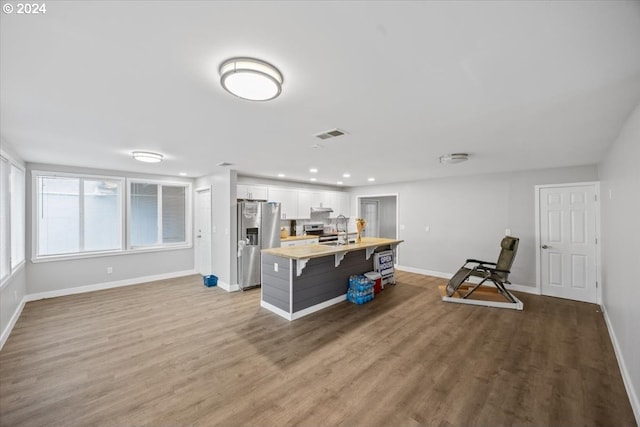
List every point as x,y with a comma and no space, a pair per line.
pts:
545,247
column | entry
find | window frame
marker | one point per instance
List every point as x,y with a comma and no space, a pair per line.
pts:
35,208
13,269
126,247
188,223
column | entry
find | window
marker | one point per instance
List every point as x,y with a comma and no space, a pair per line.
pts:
85,215
12,206
78,214
5,222
158,214
17,216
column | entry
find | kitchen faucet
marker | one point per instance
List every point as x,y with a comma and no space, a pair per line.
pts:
345,223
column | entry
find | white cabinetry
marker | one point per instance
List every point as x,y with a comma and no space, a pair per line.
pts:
340,204
251,192
288,199
304,204
299,242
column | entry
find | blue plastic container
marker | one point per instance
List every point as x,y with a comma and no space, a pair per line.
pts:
210,281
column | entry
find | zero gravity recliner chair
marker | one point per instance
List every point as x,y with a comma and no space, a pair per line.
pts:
495,272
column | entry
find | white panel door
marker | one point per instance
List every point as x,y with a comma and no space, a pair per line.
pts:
568,242
370,211
203,231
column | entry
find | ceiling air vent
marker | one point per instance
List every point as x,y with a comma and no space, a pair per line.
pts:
330,134
224,164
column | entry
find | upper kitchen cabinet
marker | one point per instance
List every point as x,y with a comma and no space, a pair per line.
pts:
304,204
252,192
340,204
320,199
288,199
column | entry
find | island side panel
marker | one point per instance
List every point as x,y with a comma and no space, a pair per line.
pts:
321,281
275,284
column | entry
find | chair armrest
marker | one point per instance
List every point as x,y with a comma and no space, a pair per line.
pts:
477,261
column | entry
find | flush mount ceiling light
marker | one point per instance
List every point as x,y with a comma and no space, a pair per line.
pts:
147,156
454,158
251,79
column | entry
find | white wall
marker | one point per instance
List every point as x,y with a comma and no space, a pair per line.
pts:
58,277
467,217
14,289
620,190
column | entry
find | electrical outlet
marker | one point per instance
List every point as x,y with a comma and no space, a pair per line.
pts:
275,266
109,270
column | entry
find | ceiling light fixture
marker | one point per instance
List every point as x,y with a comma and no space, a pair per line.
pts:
147,156
371,179
454,158
340,183
251,79
182,174
346,175
312,179
281,175
313,170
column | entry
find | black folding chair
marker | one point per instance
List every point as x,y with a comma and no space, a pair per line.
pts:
495,272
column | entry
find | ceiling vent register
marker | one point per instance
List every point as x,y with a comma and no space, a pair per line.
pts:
330,134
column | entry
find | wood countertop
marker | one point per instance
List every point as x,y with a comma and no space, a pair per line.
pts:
316,251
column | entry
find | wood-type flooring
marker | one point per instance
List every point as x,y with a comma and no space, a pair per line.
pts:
175,353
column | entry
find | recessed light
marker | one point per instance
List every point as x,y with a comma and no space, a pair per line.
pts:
339,183
147,156
251,79
182,174
454,158
281,175
313,170
346,175
313,179
371,179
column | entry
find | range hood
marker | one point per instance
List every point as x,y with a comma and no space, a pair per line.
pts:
320,209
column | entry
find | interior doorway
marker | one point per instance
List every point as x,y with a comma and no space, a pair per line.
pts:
381,214
203,208
567,241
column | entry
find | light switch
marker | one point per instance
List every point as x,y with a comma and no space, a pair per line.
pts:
401,226
275,266
507,232
427,228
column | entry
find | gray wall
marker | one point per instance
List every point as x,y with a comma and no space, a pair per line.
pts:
65,274
468,216
620,207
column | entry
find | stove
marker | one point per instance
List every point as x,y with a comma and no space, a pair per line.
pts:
317,229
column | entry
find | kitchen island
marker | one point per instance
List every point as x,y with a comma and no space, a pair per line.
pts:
300,280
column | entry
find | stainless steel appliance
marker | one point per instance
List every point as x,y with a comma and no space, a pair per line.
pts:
317,229
258,228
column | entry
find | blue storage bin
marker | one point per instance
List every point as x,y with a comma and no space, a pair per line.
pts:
210,281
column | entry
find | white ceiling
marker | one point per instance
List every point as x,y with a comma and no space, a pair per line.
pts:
518,85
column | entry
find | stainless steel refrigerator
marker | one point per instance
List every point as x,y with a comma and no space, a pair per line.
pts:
258,228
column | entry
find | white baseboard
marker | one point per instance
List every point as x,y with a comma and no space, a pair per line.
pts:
307,311
107,285
12,322
626,377
511,287
227,287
